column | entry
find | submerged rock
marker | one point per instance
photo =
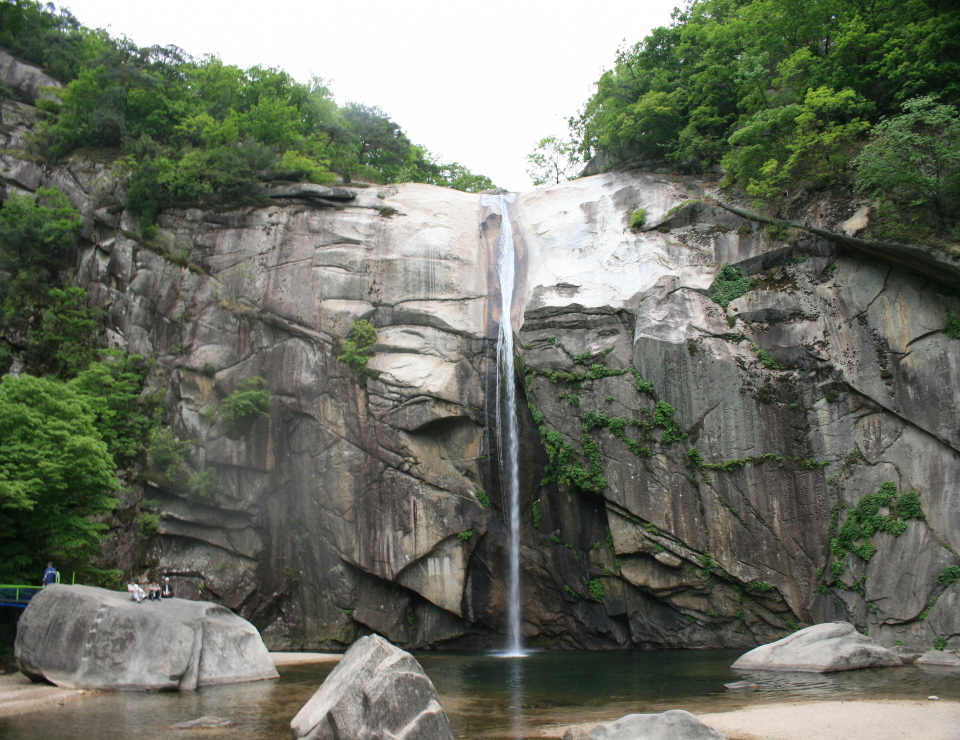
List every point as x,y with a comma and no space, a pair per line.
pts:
91,638
675,724
376,691
742,686
203,723
822,648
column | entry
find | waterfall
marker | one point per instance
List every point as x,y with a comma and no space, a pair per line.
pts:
509,443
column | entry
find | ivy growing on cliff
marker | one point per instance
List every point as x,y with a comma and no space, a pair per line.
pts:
863,520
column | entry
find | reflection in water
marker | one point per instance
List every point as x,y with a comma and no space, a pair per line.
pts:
486,696
515,686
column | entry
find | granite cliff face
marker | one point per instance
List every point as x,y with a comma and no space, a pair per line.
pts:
701,458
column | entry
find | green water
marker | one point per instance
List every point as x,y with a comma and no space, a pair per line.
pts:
485,696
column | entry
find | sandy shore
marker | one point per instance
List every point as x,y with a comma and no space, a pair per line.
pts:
19,695
280,659
832,720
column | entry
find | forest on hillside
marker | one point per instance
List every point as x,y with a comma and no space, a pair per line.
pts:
784,97
198,131
79,423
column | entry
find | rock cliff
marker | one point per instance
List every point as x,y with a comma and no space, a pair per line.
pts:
700,459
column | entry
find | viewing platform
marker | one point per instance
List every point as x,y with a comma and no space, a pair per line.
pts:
18,596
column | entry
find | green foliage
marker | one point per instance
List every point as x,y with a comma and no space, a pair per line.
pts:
642,385
65,341
482,497
357,348
37,240
199,132
596,588
912,167
203,484
663,418
165,455
780,93
537,516
123,415
553,161
248,402
638,218
761,587
939,642
952,327
865,519
949,575
765,359
570,591
464,536
792,625
55,473
729,284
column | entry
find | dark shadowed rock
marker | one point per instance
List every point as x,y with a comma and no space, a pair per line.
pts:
675,724
377,691
91,638
822,648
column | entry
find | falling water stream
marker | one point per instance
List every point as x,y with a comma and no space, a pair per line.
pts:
509,444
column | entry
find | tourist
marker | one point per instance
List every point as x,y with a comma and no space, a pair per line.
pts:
50,575
166,590
136,593
154,590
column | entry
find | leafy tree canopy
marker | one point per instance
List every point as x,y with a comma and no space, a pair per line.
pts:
778,93
55,473
197,131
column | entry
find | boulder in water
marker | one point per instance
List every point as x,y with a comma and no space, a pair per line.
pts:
939,657
675,724
822,648
377,691
83,637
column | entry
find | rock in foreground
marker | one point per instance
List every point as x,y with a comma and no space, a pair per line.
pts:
377,691
822,648
675,724
91,638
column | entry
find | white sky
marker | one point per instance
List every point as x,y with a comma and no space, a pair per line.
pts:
478,83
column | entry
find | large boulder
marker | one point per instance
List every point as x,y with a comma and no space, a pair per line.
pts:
822,648
89,638
675,724
377,691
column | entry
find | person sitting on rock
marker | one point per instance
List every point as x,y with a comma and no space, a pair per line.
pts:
154,591
136,593
166,590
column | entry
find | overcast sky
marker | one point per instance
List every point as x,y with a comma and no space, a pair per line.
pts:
478,83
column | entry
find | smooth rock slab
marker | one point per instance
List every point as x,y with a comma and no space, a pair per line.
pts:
675,724
376,692
83,637
939,657
822,648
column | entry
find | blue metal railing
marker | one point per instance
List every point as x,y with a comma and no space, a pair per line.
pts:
18,596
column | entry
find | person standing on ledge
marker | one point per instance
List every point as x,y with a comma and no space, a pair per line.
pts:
50,575
166,590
